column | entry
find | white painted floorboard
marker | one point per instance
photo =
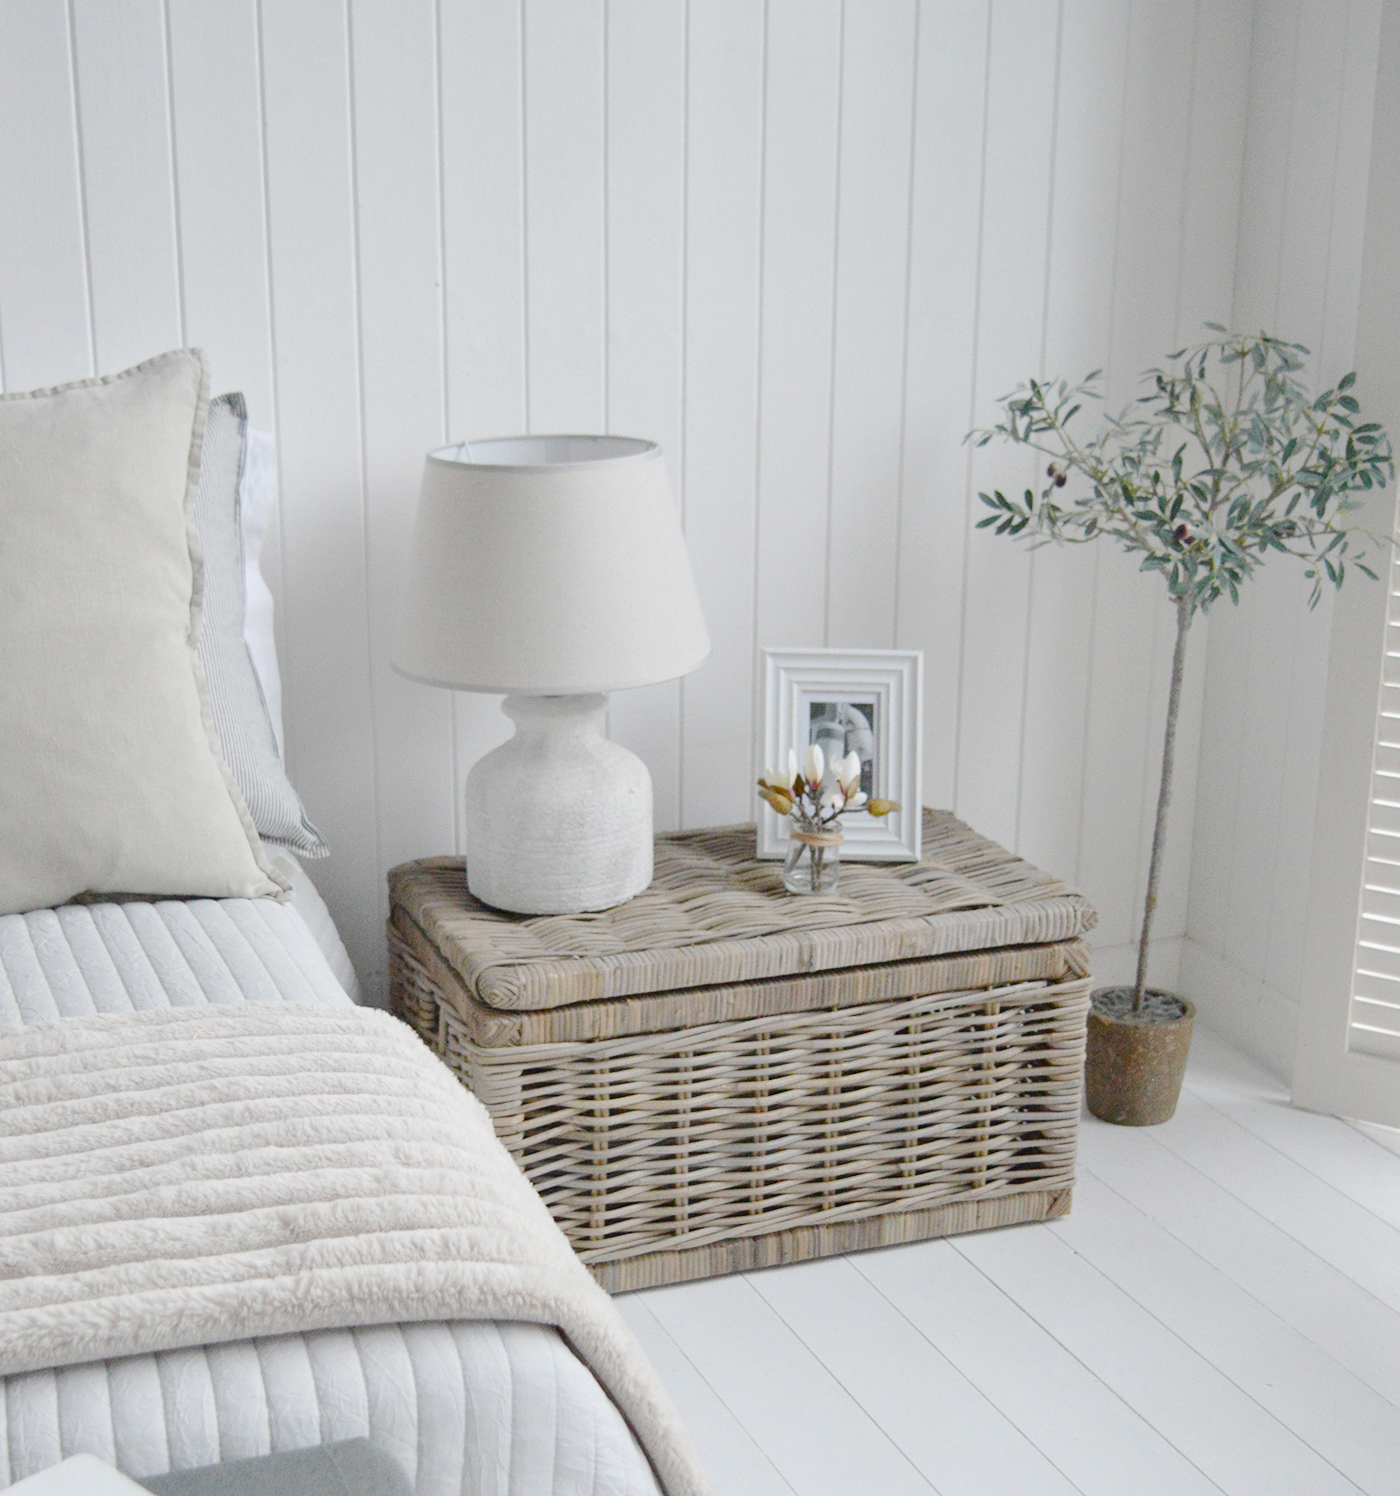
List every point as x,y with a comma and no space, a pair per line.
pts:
1220,1313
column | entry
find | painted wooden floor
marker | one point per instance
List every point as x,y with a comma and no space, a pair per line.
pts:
1220,1313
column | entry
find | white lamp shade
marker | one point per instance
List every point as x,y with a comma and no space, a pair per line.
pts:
549,565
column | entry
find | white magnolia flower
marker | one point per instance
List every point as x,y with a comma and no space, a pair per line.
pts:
856,801
848,772
833,799
792,765
815,767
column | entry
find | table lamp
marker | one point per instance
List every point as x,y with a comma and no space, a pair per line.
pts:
553,569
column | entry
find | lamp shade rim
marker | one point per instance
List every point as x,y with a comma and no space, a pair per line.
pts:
570,688
605,449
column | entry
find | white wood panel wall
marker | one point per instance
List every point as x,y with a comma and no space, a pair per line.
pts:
803,243
1302,220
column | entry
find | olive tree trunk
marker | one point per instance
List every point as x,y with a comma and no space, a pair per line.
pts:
1164,796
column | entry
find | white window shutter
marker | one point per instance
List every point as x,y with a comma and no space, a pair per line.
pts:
1373,1023
1347,1056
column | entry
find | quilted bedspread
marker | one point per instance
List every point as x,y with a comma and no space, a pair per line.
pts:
178,1176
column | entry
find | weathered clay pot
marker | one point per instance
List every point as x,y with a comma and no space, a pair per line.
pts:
1135,1061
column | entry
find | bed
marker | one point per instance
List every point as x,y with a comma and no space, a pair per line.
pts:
495,1408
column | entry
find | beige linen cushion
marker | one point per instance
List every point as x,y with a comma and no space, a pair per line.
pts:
110,775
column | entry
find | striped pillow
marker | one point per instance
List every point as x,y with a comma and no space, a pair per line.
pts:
240,712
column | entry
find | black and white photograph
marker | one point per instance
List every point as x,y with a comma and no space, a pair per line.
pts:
839,728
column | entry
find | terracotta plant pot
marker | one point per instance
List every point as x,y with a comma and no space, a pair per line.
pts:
1135,1061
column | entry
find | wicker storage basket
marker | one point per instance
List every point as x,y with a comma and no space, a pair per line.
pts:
719,1076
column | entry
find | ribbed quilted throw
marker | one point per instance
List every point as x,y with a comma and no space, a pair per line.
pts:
185,1176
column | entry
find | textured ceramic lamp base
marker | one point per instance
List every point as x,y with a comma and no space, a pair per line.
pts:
558,819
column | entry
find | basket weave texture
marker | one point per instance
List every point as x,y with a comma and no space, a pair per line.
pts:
715,914
806,1075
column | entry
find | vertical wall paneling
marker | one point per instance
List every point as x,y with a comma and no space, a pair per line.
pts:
947,188
1259,754
1356,109
802,108
1305,236
1125,714
1337,157
1273,39
872,258
45,326
1014,227
1091,59
565,170
1264,190
1218,775
1205,284
481,81
723,172
1297,274
1211,225
217,128
326,663
1332,1068
128,182
1280,731
645,232
1174,891
401,327
804,246
216,124
1281,951
1269,742
1174,34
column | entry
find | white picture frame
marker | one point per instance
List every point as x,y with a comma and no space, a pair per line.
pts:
863,692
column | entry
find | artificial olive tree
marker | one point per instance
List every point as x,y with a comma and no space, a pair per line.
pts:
1222,462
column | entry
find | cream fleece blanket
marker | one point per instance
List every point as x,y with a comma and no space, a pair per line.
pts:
187,1176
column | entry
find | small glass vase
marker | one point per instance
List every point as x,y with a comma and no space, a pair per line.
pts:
813,862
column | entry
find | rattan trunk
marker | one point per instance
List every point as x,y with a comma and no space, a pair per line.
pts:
719,1076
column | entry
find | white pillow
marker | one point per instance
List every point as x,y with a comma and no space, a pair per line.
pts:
110,777
258,501
241,718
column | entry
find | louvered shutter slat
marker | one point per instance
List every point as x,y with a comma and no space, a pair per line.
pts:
1388,758
1382,903
1385,812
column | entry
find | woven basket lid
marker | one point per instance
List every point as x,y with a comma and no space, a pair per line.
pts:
715,914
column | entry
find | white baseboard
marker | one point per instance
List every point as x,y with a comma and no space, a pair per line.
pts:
1243,1007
